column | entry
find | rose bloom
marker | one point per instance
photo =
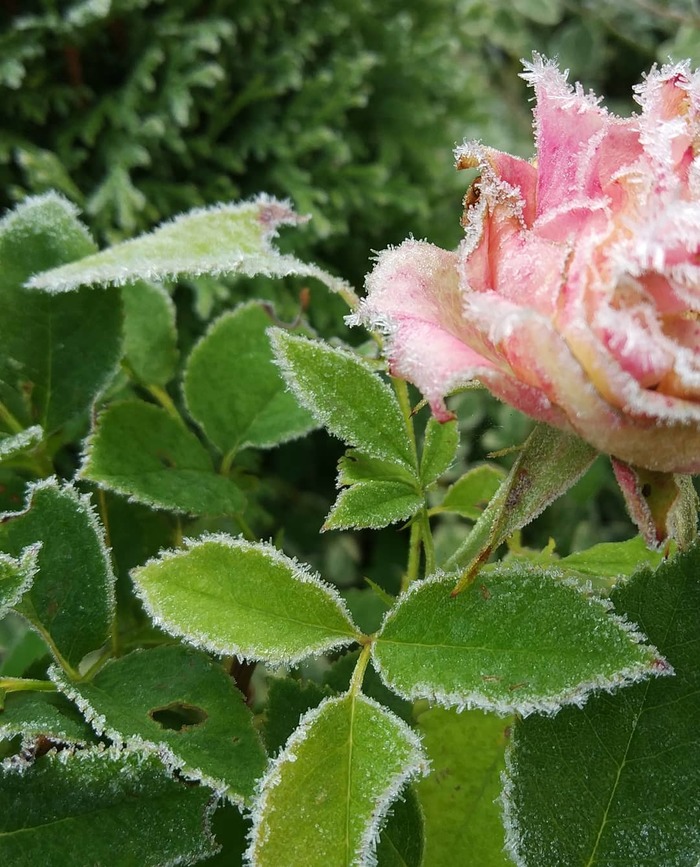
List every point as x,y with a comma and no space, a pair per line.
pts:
575,293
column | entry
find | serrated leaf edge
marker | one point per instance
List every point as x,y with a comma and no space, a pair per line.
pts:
550,704
19,442
301,572
365,854
373,524
26,563
277,339
84,502
144,746
269,262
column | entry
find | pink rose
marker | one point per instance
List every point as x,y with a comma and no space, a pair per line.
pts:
575,293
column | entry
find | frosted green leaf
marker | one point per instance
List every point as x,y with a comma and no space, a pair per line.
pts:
101,807
549,463
471,493
223,239
355,467
233,389
401,842
235,597
175,702
617,781
14,445
462,821
16,576
325,797
373,504
150,337
346,396
141,451
71,600
47,714
56,354
516,641
439,450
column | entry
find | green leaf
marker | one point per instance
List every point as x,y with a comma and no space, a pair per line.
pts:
236,597
175,702
346,396
101,807
617,782
549,462
141,451
471,493
16,576
373,504
56,354
17,444
605,564
439,450
324,799
518,641
233,389
71,600
401,842
47,714
339,675
150,337
355,467
223,239
462,821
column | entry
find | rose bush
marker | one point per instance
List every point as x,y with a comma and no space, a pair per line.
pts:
575,293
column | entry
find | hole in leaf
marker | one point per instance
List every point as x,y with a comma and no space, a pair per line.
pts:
646,490
178,716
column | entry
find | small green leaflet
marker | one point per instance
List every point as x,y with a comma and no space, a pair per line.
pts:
439,450
84,801
235,597
175,702
139,450
233,389
616,782
47,714
519,640
345,395
548,465
16,575
223,239
150,336
71,600
471,493
325,797
56,354
373,504
462,819
17,444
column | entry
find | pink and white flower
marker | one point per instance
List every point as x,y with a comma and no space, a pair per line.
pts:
575,294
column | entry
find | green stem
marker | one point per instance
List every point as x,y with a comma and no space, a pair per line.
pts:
360,668
164,399
11,422
427,539
226,462
413,566
97,665
22,684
